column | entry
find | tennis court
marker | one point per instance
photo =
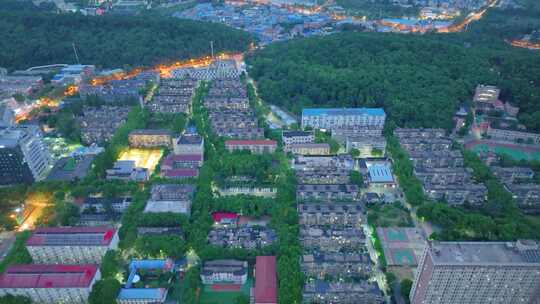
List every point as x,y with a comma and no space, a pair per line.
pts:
515,151
403,256
224,293
395,235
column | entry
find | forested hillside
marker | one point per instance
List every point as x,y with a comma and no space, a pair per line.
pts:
35,38
419,79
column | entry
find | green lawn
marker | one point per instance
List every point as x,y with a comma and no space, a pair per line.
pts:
389,215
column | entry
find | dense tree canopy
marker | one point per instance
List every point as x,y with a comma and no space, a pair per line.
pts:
419,80
108,41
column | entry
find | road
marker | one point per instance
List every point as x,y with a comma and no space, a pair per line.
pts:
36,202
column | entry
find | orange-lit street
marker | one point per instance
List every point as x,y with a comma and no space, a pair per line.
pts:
34,206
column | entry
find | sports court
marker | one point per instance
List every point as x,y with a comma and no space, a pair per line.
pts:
515,151
224,293
402,246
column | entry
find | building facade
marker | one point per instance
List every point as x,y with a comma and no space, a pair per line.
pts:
50,284
71,245
343,118
24,158
477,273
255,146
149,138
232,271
308,149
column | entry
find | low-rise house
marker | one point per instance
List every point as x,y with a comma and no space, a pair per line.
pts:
181,166
322,292
314,214
297,137
242,237
105,204
323,175
130,294
71,245
50,283
71,168
98,124
255,146
25,85
444,176
227,271
245,133
323,238
248,189
512,135
327,192
189,144
157,231
510,175
127,171
404,133
457,194
437,159
149,138
336,264
342,161
308,149
527,196
170,198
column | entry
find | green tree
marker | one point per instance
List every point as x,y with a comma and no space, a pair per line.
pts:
356,178
104,292
110,265
405,288
11,299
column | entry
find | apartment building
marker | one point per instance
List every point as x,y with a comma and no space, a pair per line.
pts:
231,271
170,198
323,292
308,149
478,273
297,137
50,284
343,118
24,158
336,264
255,146
189,144
71,245
327,192
143,138
314,214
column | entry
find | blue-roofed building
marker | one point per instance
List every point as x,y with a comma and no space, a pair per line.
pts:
141,295
343,118
380,173
131,294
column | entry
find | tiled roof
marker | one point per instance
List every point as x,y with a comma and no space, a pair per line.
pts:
48,276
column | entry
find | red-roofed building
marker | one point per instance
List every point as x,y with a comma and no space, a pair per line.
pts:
71,245
225,218
181,166
255,146
50,283
265,280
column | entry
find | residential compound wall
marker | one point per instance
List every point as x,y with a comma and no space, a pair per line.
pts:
71,245
478,273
